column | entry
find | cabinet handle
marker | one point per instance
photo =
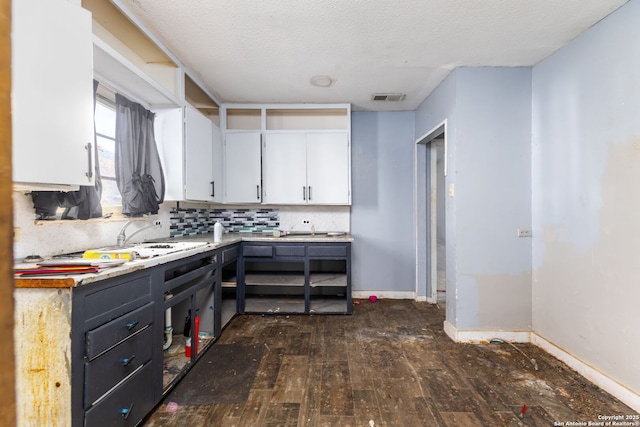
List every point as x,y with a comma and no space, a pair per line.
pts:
125,412
309,192
213,188
304,193
127,360
90,171
132,324
258,191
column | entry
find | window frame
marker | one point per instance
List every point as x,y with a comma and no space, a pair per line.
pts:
114,205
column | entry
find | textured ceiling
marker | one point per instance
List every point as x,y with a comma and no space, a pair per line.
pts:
268,51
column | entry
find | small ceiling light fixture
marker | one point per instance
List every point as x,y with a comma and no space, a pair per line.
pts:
322,81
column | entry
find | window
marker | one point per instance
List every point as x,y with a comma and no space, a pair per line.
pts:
105,120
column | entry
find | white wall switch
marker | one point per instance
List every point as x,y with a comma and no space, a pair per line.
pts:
452,190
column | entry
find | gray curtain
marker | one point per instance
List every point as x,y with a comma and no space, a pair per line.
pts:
138,170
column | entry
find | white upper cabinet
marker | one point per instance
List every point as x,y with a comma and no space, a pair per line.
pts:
307,168
285,168
190,148
242,159
202,107
169,132
52,95
190,144
328,169
306,155
198,146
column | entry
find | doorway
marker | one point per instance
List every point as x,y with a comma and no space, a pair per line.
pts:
431,236
437,230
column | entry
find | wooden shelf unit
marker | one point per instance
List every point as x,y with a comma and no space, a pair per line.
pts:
301,278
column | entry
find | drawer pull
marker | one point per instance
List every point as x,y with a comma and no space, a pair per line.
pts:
125,412
127,360
132,324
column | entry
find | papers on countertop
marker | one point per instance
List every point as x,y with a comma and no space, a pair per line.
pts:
68,266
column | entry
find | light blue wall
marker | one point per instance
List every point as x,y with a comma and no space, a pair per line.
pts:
493,198
488,144
382,211
586,196
438,108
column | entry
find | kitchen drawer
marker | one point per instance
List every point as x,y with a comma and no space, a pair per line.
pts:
289,250
230,254
126,405
109,334
264,251
101,374
110,301
328,251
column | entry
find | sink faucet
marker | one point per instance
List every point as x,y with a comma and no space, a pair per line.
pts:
122,238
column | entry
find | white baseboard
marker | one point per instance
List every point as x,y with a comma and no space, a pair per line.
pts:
485,336
384,294
621,392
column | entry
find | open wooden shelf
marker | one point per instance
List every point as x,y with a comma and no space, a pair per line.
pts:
327,279
200,100
274,279
307,118
244,118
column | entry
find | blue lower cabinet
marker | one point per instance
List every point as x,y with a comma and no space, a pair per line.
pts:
295,278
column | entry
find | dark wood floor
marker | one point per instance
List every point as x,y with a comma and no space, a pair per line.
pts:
390,364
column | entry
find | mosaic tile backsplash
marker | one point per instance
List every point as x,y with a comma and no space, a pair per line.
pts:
189,221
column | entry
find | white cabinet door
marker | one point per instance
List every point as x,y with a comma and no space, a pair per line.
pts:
285,168
52,96
242,178
217,185
198,136
328,171
169,133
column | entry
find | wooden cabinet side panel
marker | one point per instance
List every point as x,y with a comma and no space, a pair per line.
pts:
43,356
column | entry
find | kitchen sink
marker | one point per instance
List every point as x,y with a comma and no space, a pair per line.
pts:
316,234
142,250
149,250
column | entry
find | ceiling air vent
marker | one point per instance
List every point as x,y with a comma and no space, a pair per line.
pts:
388,96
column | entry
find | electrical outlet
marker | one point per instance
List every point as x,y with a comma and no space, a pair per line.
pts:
16,234
452,190
524,232
158,223
306,221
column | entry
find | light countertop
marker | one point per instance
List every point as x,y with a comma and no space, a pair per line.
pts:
68,281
